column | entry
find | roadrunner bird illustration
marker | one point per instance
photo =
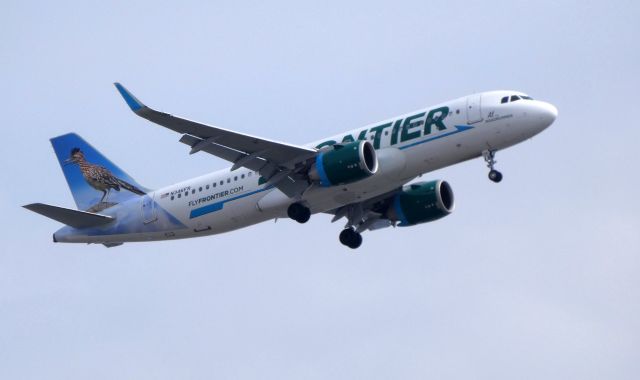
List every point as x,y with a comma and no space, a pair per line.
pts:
99,177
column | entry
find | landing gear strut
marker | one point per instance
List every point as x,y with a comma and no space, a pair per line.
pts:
351,238
490,159
299,212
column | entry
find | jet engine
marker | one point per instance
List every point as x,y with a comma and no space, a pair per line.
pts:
421,202
345,163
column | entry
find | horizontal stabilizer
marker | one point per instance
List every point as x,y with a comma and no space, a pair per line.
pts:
70,217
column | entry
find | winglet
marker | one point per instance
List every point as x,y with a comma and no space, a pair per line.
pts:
131,100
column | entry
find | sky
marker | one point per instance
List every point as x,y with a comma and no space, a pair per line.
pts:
535,277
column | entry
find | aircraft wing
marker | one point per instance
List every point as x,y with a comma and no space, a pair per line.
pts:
275,161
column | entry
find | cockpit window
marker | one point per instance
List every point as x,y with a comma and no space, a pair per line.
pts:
513,98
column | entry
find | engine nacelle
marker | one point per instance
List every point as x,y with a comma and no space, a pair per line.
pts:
345,163
421,202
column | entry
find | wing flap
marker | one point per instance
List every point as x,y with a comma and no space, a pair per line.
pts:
283,179
70,217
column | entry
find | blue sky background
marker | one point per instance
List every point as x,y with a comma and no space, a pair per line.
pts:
536,277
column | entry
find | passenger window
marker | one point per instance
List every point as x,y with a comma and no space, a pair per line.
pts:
242,176
221,183
235,178
200,189
207,187
215,184
172,197
228,180
514,98
179,195
193,191
504,100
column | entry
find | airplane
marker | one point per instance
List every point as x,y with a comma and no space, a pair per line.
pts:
364,176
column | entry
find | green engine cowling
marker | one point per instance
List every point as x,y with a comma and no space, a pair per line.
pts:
345,163
421,202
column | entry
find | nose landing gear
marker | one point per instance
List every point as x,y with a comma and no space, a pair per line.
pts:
489,157
495,176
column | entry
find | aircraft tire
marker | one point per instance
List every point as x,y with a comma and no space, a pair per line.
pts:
495,176
350,238
298,212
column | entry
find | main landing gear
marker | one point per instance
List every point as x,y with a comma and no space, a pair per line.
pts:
490,159
351,238
299,212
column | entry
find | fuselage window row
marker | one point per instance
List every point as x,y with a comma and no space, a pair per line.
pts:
214,184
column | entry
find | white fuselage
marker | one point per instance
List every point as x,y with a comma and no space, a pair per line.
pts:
227,200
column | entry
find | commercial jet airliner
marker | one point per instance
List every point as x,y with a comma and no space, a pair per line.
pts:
364,176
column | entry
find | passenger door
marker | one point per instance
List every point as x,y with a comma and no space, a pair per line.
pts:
474,112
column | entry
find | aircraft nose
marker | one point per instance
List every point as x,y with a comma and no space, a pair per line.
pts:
547,113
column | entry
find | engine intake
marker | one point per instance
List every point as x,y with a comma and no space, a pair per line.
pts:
345,163
421,202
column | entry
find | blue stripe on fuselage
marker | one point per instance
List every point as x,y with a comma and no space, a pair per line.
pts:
219,205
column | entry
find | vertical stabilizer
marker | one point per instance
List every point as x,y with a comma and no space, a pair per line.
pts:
95,182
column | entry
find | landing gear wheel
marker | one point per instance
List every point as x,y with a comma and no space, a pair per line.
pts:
490,158
350,238
495,176
299,212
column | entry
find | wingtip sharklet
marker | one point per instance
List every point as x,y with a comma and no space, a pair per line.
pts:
131,100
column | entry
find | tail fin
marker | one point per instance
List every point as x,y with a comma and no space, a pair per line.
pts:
95,182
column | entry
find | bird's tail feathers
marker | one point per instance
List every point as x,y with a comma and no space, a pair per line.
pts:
130,187
89,182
